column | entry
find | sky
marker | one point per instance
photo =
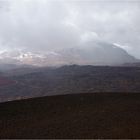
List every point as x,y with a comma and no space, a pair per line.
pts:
47,25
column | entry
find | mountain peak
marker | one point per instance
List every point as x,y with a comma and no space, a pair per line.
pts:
89,53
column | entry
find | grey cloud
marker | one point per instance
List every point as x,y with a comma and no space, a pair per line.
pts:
42,25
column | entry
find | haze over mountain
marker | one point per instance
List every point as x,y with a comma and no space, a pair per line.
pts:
97,53
57,32
91,52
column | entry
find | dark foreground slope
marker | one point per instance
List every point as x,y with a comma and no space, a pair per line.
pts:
98,115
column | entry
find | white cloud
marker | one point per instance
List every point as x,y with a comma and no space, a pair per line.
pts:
89,36
41,25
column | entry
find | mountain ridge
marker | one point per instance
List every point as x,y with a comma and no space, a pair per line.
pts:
89,53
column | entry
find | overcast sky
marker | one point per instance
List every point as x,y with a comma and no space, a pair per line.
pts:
44,25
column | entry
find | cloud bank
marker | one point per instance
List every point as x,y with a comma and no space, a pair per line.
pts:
48,25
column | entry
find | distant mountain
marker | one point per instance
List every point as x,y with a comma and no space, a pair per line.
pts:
4,67
70,80
137,64
89,53
97,53
9,67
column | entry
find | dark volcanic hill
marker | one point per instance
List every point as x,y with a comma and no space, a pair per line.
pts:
96,116
71,80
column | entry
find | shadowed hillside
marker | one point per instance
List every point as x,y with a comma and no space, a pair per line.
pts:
70,80
6,82
98,115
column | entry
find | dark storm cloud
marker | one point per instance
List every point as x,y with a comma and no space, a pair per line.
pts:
42,25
